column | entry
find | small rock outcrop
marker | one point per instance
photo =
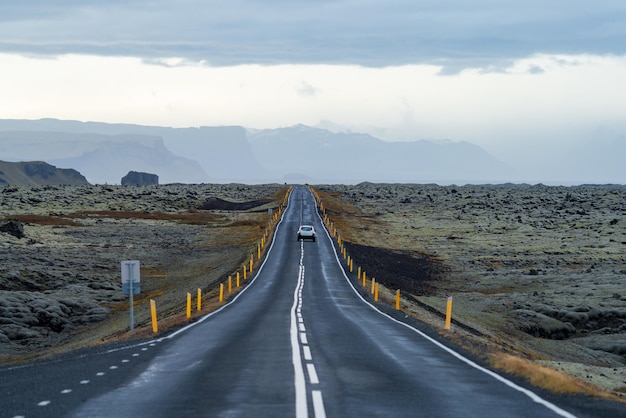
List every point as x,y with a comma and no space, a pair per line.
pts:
14,228
135,178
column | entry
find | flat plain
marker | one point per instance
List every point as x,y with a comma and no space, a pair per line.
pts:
536,273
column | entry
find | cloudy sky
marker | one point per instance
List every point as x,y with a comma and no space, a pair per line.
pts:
518,78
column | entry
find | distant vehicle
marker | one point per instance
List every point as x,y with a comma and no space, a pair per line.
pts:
306,232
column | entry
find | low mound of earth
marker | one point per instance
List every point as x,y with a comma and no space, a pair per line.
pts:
60,283
537,271
215,203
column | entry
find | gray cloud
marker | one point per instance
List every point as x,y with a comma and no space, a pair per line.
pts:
455,33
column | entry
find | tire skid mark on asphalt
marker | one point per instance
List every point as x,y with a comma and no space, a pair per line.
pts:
316,395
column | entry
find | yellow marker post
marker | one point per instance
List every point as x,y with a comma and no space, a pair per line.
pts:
351,264
155,324
251,261
221,292
199,299
244,272
237,277
338,239
188,305
376,293
373,285
348,261
258,251
230,284
364,279
449,313
398,300
358,273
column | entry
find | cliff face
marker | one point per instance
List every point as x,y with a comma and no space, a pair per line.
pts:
35,173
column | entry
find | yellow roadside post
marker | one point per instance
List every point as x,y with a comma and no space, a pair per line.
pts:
376,293
364,279
251,261
358,273
188,305
244,272
238,284
449,313
398,300
373,285
199,299
221,292
230,285
155,324
258,251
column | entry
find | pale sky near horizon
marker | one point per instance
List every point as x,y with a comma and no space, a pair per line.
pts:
504,75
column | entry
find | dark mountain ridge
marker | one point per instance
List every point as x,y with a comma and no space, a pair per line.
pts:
37,173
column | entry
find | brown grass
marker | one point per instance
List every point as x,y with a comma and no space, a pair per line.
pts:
541,376
53,220
194,217
344,215
190,217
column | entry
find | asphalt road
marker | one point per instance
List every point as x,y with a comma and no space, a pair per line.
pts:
299,341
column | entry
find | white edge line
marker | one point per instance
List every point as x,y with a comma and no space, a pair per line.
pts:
233,300
536,398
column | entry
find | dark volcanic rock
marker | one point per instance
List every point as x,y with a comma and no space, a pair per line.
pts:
215,203
135,178
14,228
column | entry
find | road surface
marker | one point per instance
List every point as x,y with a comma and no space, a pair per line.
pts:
299,341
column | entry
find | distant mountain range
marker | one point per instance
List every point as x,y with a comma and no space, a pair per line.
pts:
321,155
104,153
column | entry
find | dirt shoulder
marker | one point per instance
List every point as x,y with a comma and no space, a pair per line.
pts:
535,272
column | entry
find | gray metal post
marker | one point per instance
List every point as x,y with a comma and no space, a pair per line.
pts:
132,313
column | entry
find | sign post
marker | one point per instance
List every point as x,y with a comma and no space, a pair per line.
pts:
131,285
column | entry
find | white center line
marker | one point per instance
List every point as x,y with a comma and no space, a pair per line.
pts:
302,408
298,327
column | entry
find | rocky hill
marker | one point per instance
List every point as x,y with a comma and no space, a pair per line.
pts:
38,173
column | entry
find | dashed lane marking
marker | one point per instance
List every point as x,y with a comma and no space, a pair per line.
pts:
307,353
318,404
312,374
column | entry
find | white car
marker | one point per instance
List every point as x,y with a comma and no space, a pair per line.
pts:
306,232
